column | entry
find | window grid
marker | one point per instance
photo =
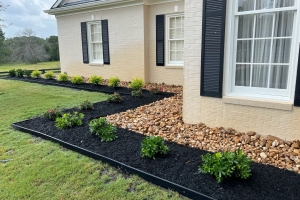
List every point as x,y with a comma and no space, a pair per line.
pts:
95,42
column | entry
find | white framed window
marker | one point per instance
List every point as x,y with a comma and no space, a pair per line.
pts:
95,42
175,39
263,42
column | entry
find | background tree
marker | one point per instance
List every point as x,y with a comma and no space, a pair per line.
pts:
5,51
52,49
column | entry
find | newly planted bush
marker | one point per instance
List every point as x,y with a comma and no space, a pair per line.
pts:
52,114
156,90
226,164
136,93
36,74
103,129
113,82
27,73
12,72
153,145
86,105
96,79
19,73
136,84
77,80
114,98
49,75
63,77
69,120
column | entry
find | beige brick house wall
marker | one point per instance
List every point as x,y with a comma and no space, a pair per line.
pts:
215,112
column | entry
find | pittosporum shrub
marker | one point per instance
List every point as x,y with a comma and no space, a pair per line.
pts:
136,93
156,90
113,82
36,74
153,145
114,98
96,79
19,73
226,164
104,130
86,105
49,75
69,120
136,84
52,114
63,77
27,73
12,72
77,80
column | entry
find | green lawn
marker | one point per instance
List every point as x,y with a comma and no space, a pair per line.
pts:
43,65
40,169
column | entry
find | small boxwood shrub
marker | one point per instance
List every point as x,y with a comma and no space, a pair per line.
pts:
104,130
36,74
77,80
153,145
27,73
156,90
12,72
136,84
63,77
19,73
96,79
136,93
69,120
226,164
49,75
113,82
114,98
53,114
86,105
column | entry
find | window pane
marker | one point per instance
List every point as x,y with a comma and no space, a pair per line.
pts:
92,28
264,25
242,75
281,51
279,77
173,45
178,56
284,24
260,76
244,49
172,55
245,28
179,45
172,22
284,3
178,22
264,4
245,5
262,51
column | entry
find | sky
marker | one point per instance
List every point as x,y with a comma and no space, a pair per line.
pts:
28,14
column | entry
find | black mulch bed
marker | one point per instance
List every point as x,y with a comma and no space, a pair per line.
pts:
84,86
180,166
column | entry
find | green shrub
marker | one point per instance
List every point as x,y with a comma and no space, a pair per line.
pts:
53,114
19,73
77,80
12,72
136,84
49,75
63,77
69,120
152,146
36,74
113,82
86,105
103,129
156,90
27,73
136,93
226,164
114,98
96,79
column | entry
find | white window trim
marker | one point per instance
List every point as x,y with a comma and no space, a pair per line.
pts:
167,45
93,62
230,54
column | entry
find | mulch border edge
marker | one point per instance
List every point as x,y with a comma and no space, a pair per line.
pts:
126,168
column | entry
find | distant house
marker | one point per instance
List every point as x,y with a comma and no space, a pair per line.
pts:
237,60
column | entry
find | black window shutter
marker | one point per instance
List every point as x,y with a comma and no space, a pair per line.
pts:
297,91
213,33
85,51
105,42
160,40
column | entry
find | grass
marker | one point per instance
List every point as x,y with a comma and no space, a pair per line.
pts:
43,65
40,169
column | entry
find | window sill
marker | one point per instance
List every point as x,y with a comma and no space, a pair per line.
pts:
278,105
96,64
174,67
